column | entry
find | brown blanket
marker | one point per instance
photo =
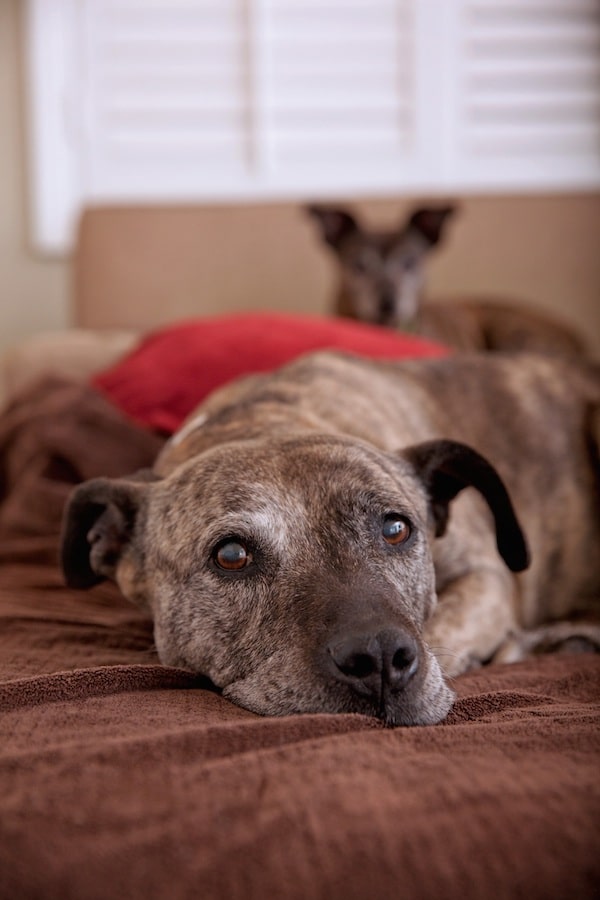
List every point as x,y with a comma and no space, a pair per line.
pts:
121,778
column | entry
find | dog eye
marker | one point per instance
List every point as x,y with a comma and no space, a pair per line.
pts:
395,529
231,556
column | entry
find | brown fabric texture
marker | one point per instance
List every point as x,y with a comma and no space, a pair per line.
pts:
54,434
121,778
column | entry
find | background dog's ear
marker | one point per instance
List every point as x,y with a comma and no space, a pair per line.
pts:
446,467
430,222
97,526
336,224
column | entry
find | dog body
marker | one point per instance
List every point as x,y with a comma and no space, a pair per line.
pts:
382,280
294,541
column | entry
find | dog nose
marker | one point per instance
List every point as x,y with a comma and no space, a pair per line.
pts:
387,302
372,662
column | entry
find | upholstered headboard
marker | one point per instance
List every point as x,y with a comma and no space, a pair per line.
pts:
145,266
151,265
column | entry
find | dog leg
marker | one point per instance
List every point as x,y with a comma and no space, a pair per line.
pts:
557,637
475,614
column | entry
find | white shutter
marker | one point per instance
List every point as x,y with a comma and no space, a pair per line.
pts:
163,96
216,100
526,94
338,82
224,98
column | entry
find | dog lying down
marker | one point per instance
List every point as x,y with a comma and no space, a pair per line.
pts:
382,275
343,535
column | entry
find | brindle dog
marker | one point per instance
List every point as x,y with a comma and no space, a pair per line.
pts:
295,543
382,280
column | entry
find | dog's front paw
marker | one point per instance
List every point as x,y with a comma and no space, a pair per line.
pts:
557,637
474,615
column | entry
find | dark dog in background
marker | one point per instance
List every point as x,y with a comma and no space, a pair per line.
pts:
382,277
339,535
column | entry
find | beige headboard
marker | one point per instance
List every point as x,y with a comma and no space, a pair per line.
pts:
150,265
141,267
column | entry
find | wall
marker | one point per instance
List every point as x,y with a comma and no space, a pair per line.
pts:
33,291
542,249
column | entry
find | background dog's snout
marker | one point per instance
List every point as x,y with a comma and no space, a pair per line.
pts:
387,301
370,662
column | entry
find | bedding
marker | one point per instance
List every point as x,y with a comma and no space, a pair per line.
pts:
78,354
120,777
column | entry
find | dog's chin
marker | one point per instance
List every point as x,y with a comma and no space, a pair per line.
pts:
394,711
425,711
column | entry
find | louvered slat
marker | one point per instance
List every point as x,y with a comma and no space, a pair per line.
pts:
530,77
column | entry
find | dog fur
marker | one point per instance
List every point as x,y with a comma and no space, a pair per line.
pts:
308,477
382,280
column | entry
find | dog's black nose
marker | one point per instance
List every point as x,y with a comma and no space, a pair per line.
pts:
387,303
370,663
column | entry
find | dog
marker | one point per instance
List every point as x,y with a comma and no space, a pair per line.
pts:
345,535
382,277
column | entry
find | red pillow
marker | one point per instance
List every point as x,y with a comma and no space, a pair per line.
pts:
160,382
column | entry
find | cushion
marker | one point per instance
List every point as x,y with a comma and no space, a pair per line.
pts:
161,381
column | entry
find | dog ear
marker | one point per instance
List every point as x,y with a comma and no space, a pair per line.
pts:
430,222
446,467
592,432
98,525
336,224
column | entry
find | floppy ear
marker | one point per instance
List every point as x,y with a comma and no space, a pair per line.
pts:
593,435
335,224
430,222
97,528
446,467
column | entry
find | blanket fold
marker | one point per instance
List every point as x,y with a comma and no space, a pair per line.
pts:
53,435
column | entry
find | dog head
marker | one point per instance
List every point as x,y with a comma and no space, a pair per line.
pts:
383,272
295,573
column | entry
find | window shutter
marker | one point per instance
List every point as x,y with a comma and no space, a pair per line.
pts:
338,82
217,100
232,99
527,93
163,96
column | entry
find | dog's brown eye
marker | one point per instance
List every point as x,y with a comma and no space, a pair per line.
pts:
395,530
231,556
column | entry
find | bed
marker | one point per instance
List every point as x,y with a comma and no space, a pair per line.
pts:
123,778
